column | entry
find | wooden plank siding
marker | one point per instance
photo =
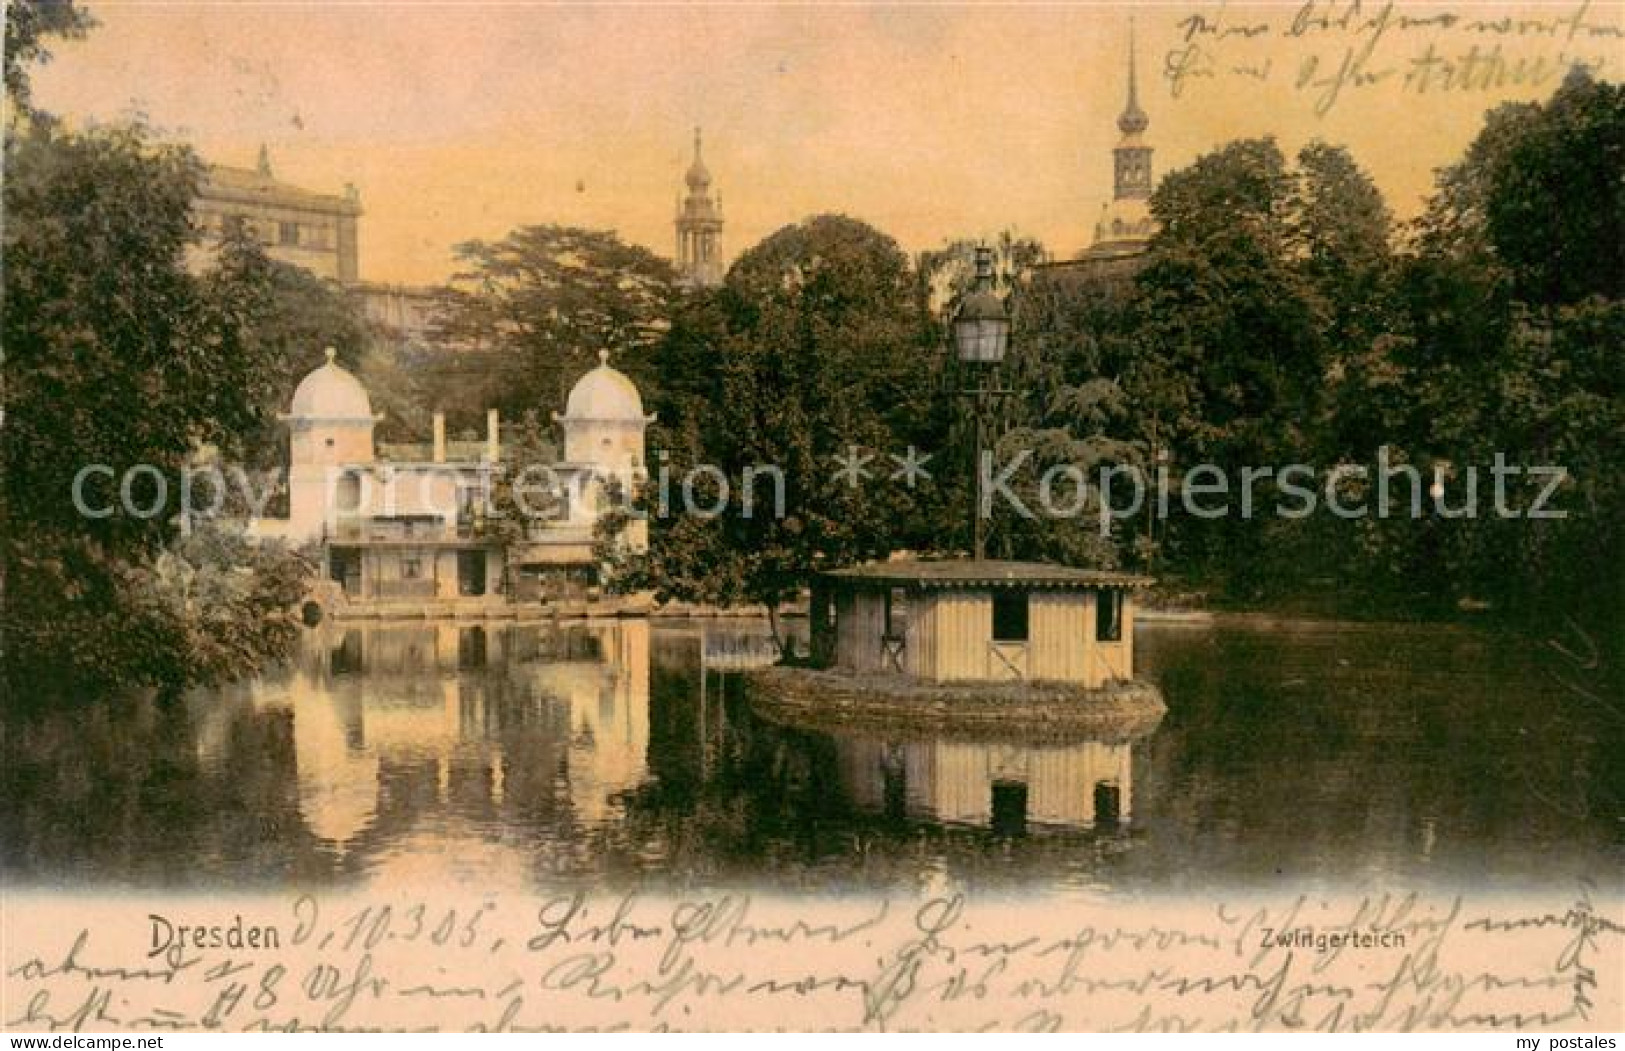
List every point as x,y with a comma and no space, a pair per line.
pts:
860,623
1060,632
957,626
947,637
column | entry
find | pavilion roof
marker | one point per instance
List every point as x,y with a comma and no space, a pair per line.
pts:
964,573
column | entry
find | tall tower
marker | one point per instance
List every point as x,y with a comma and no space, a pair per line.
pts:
1125,225
699,227
1132,157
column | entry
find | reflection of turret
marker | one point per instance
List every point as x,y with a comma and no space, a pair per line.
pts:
609,715
1005,786
395,721
338,774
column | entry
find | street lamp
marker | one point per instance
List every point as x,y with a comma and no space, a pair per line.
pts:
981,335
982,326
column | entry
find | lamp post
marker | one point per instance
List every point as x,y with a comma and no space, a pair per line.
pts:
981,336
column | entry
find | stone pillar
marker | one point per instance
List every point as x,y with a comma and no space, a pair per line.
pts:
439,437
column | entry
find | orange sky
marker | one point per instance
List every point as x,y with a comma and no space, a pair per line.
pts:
929,120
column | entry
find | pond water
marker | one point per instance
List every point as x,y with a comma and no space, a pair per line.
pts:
626,754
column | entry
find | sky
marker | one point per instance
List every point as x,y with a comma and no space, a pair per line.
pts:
930,120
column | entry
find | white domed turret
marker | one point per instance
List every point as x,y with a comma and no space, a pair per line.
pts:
604,422
330,424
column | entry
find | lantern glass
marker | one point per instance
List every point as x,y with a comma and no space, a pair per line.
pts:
981,341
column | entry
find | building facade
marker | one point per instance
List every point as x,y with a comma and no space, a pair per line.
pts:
699,227
410,529
318,232
315,231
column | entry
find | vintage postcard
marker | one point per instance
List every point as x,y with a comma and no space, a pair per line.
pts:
780,516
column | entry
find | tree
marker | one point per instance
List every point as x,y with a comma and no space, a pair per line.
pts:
525,490
29,23
1231,358
1511,311
532,310
826,349
1263,314
111,358
280,319
116,357
1555,210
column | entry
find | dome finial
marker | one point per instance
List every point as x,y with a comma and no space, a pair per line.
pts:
603,357
332,355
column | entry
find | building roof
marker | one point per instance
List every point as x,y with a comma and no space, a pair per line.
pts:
246,185
605,394
331,392
964,573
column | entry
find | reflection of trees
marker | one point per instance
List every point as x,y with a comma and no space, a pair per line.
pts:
1426,749
135,790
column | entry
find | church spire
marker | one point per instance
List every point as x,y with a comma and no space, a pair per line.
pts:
699,225
1126,226
698,179
1133,121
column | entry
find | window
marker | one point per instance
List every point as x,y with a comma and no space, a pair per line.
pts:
288,233
1109,616
1009,615
896,612
411,568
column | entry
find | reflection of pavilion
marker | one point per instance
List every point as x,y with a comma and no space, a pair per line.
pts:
396,726
1001,785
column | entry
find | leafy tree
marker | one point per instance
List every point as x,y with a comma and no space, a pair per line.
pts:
1511,314
525,490
1342,238
29,24
279,320
826,348
110,355
531,312
1232,356
393,373
1556,207
1058,401
115,356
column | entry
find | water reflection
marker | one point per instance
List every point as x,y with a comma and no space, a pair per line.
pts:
1006,787
624,754
413,743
